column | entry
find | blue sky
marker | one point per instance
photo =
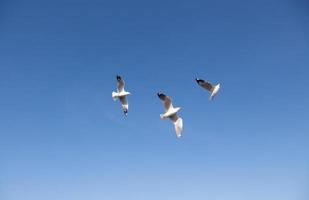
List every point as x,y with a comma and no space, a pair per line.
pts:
62,137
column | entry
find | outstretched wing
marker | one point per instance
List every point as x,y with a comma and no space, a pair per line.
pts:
124,104
178,124
205,84
120,84
166,100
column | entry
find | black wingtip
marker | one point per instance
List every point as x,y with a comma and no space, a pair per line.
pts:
160,94
118,78
198,80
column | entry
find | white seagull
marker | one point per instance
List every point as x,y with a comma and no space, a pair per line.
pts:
121,95
171,113
213,89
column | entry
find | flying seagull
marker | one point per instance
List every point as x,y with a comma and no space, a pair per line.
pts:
213,89
171,113
121,95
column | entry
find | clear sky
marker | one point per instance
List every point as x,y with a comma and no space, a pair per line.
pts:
62,137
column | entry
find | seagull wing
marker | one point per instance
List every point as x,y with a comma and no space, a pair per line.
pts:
205,84
123,100
178,124
120,84
166,100
174,117
124,103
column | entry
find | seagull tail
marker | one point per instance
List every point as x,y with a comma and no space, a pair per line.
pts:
178,127
114,95
214,92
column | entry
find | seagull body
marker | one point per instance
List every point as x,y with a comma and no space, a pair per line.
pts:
213,89
171,113
121,95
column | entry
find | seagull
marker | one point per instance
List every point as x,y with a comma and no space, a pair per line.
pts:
171,113
121,95
208,86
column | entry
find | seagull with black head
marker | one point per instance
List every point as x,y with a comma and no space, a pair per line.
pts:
121,94
171,113
213,89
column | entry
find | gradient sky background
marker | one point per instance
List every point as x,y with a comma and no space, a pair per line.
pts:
62,137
